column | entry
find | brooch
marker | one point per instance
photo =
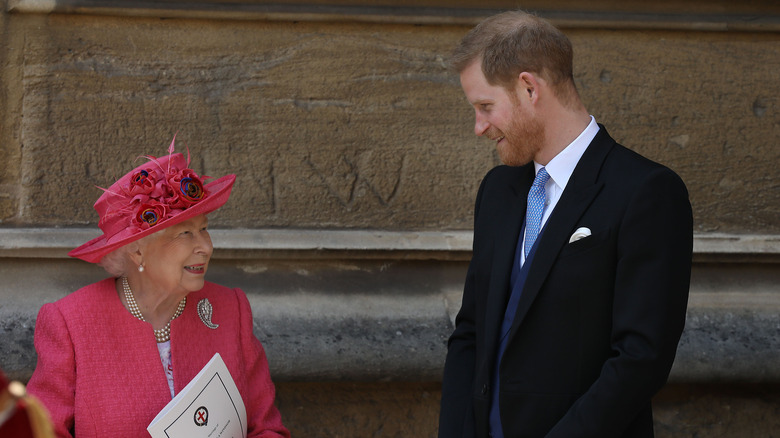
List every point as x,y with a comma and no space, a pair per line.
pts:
204,312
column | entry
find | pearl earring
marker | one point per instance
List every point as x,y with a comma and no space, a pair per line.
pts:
141,268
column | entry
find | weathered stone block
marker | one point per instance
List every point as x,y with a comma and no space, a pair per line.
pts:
325,125
734,411
344,125
9,206
705,104
360,410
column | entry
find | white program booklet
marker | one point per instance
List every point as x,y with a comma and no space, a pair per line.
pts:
209,407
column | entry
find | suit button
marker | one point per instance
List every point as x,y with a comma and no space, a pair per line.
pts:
484,389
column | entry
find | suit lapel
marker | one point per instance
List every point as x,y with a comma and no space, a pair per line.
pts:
505,235
582,188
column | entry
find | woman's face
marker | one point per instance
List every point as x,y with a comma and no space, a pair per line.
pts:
176,261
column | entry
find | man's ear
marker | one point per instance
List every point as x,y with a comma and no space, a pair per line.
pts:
528,86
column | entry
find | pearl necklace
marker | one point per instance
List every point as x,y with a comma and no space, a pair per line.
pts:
163,334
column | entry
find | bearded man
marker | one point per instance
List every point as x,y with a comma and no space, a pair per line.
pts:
576,294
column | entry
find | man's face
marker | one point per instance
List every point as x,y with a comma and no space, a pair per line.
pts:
503,116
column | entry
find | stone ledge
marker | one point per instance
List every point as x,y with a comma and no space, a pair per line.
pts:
359,244
388,320
730,337
712,18
384,344
745,247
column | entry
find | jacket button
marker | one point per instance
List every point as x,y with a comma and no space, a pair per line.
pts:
484,389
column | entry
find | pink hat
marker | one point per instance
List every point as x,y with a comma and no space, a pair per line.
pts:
152,197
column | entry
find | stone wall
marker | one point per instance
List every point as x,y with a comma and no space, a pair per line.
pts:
349,226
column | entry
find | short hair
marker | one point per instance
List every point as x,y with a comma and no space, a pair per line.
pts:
117,262
513,42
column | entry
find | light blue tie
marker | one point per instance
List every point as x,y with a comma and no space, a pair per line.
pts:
533,214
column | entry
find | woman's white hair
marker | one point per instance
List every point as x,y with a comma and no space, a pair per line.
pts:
118,262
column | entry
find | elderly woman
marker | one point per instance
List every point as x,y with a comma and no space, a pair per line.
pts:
112,354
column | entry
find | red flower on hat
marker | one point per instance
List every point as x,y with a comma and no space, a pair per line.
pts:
141,183
155,194
186,189
150,214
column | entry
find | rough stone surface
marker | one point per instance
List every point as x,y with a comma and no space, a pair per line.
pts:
310,117
733,411
355,125
705,104
360,410
388,320
349,410
717,342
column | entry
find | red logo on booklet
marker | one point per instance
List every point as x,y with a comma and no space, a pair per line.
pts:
202,416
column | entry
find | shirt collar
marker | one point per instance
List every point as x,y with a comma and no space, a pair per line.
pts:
562,165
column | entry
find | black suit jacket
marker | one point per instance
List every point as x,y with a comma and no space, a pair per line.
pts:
599,319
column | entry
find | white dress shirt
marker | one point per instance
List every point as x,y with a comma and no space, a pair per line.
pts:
560,169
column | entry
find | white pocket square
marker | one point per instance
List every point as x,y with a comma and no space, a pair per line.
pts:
581,233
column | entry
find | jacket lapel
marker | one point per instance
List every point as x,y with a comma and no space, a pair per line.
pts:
505,235
582,188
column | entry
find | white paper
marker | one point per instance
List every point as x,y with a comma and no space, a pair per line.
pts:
210,406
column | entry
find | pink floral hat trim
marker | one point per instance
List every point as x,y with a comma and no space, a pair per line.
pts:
160,193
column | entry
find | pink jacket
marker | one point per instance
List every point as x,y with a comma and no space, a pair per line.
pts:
99,372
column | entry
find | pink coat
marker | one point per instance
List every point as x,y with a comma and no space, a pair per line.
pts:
99,371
